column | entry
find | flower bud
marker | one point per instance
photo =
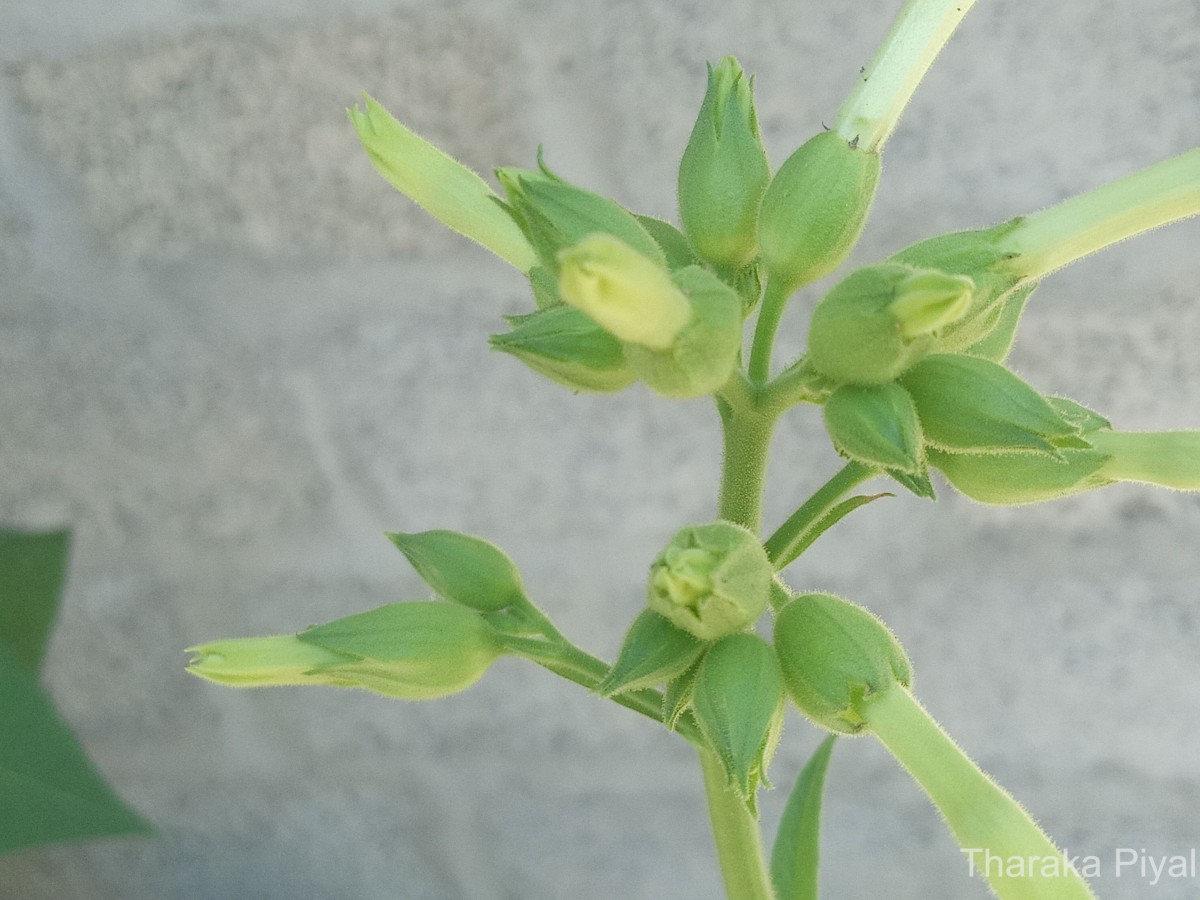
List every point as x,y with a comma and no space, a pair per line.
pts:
555,215
463,568
833,654
1015,478
629,295
880,320
738,701
967,405
413,651
711,580
569,347
444,187
724,171
877,425
703,354
814,209
1166,458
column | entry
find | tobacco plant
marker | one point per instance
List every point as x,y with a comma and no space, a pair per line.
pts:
905,362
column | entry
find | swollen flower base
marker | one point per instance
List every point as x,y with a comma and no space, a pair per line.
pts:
905,358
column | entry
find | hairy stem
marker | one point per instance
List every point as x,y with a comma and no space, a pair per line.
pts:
735,832
775,299
985,819
1162,193
920,31
783,546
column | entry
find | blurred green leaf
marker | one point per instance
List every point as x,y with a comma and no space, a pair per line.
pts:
49,790
795,859
32,570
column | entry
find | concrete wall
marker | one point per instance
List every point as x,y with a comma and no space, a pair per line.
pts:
231,356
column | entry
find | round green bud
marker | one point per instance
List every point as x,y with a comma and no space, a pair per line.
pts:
701,358
875,323
833,654
711,580
814,209
630,295
724,171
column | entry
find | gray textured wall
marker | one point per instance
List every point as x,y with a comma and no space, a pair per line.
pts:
230,357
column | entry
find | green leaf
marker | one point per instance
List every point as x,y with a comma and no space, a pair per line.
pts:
876,425
795,859
33,567
463,568
654,652
826,522
49,791
970,404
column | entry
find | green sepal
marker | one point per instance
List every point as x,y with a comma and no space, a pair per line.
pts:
738,702
442,186
654,652
33,566
814,210
968,404
1085,419
677,696
876,425
1166,458
545,287
998,336
413,651
832,654
463,568
796,856
704,353
49,790
724,170
674,244
568,347
1013,479
555,215
918,484
980,255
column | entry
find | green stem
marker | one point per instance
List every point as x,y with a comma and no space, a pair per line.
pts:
798,383
747,432
775,299
784,545
735,832
1162,193
920,31
997,835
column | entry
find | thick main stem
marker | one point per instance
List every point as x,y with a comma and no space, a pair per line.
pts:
920,31
1000,840
735,832
1162,193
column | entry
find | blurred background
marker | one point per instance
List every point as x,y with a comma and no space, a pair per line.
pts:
231,356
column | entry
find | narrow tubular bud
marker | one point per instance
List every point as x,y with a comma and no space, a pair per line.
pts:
703,354
878,321
814,210
738,702
711,580
833,653
630,296
569,347
1166,458
445,188
262,661
724,171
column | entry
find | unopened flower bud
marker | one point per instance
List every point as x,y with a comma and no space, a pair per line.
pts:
1016,478
413,651
878,321
703,354
724,171
833,654
738,701
814,210
711,580
629,295
569,347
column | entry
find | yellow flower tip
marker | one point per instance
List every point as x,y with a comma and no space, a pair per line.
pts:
629,295
258,662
